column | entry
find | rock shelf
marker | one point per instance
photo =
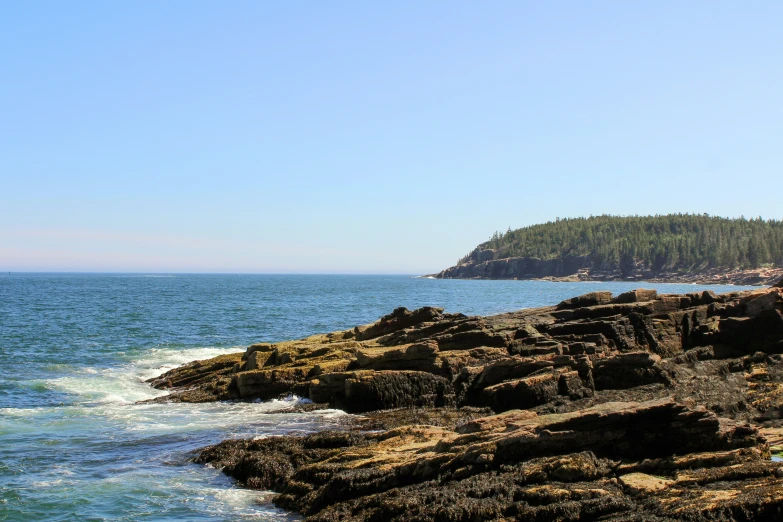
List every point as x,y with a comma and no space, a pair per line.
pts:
632,407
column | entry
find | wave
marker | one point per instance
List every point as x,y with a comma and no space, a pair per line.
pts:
126,384
156,361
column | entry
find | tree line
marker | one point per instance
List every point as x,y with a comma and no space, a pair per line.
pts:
673,242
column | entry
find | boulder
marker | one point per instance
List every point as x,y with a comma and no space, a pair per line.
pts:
399,319
258,347
268,383
643,483
420,356
763,301
369,391
589,299
329,387
636,296
523,393
510,368
627,370
257,359
571,385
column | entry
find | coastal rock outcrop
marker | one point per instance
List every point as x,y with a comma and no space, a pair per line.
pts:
655,460
483,265
584,351
640,406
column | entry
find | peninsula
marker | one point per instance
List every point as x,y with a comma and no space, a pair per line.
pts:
675,248
639,406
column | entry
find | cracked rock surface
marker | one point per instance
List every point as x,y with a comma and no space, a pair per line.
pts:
632,407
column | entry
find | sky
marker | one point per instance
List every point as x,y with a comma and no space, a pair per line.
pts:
369,137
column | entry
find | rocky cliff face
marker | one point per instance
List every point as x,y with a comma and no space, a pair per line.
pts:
483,265
632,407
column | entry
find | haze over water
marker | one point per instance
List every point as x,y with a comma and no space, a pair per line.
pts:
75,350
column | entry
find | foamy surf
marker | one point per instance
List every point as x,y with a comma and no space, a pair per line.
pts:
126,383
156,361
115,394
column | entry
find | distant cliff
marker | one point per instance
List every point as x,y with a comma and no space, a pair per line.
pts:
485,267
680,247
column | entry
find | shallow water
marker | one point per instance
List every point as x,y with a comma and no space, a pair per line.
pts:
76,348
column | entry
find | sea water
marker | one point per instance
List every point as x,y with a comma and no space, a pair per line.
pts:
75,350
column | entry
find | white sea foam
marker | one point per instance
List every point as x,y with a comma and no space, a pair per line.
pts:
126,384
115,393
47,483
105,386
160,360
105,416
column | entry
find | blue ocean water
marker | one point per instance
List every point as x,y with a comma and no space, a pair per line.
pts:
75,350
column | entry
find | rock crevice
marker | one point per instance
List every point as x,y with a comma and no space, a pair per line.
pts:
632,407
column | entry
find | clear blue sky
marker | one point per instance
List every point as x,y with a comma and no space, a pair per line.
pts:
359,137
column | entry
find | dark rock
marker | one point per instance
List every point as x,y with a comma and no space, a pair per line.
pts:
611,346
268,384
523,393
571,385
765,301
656,460
644,408
399,319
627,371
369,391
470,339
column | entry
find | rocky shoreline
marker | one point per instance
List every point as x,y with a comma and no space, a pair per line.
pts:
632,407
575,270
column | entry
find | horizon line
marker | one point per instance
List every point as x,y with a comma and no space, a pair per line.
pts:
163,272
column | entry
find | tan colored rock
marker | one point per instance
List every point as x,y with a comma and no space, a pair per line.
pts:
257,359
644,483
628,410
258,347
589,299
534,465
621,351
420,356
636,296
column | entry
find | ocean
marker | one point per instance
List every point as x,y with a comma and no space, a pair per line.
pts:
75,350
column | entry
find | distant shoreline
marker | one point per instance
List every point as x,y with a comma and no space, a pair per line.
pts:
753,277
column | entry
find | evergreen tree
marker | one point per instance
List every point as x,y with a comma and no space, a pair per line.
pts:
674,242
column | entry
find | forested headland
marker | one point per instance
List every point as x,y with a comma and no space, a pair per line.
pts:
627,246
